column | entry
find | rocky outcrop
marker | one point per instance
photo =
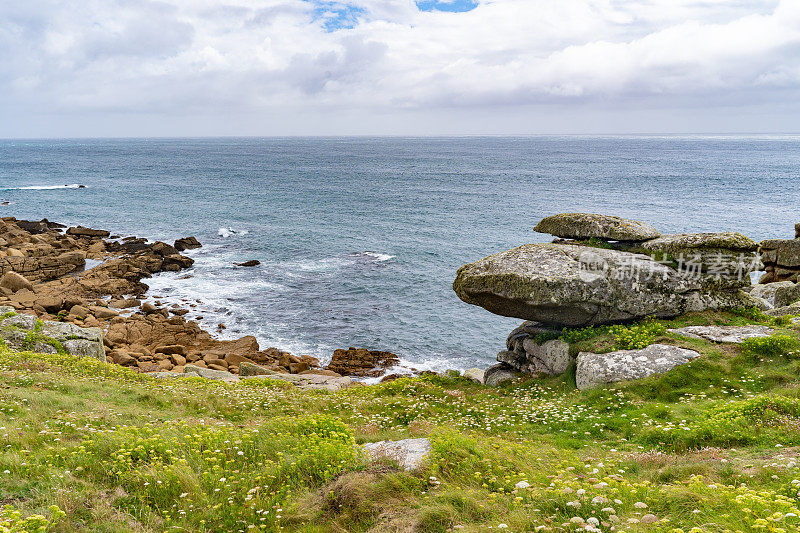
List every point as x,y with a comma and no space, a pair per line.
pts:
361,362
569,285
187,243
409,453
777,294
26,332
604,227
80,231
551,357
496,375
729,334
726,257
594,370
306,380
781,258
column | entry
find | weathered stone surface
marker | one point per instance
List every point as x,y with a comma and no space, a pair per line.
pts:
594,370
793,309
605,227
187,243
361,362
474,374
22,333
778,294
46,268
551,357
14,282
303,381
209,373
730,334
728,257
786,252
525,330
80,231
568,285
498,374
409,453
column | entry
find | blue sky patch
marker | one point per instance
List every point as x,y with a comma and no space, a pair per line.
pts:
454,6
336,15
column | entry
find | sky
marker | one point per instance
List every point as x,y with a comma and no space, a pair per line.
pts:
119,68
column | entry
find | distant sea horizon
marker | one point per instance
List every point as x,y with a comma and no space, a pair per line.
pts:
359,237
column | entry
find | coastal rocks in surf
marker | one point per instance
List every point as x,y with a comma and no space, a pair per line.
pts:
603,227
187,243
26,332
594,370
571,285
361,362
80,231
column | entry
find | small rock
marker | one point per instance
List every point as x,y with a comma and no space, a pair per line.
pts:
187,243
499,374
80,231
474,374
172,349
250,263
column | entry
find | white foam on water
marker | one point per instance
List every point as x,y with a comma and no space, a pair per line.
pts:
230,232
377,256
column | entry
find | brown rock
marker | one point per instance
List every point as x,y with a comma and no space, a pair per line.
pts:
102,312
236,359
165,365
297,368
187,243
361,362
321,372
163,249
148,308
147,366
122,357
79,311
250,263
124,303
80,231
177,360
171,349
14,282
218,367
52,303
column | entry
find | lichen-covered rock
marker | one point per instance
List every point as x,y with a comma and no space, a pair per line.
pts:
26,332
498,374
778,294
594,370
209,373
728,256
409,453
569,285
551,357
474,374
729,334
604,227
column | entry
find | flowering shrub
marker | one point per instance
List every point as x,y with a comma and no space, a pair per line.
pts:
757,348
12,521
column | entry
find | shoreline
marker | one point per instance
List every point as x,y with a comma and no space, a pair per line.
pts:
92,279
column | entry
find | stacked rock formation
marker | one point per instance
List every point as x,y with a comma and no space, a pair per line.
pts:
781,258
609,270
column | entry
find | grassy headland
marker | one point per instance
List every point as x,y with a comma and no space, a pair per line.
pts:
710,446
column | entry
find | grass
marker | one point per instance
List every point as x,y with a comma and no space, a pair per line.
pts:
710,446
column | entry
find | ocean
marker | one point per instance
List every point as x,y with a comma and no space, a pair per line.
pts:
359,238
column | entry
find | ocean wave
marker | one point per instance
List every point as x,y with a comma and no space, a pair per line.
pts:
45,187
376,256
228,232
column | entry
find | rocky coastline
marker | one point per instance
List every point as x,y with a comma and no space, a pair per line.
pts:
48,283
602,271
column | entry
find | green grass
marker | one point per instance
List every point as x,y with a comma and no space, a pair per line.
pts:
710,446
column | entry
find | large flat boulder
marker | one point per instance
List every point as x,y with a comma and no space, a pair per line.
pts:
727,255
729,334
26,332
594,370
604,227
569,285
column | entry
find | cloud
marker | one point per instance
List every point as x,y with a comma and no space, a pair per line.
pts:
179,57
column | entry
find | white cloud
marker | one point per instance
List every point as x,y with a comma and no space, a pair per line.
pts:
183,57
